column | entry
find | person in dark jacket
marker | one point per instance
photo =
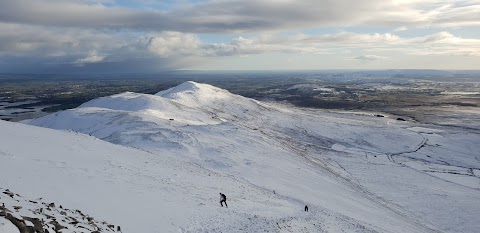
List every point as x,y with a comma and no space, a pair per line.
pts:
306,208
223,199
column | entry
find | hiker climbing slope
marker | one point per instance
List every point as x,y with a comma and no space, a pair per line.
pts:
223,199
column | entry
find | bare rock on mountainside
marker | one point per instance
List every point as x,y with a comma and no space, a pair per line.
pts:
36,216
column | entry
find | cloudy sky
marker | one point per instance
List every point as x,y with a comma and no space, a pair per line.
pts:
155,35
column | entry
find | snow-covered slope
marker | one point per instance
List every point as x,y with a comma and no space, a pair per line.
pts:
356,172
146,192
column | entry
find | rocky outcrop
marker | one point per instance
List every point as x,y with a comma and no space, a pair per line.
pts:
37,216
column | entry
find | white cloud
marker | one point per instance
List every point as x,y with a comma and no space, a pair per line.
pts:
92,58
370,57
437,37
173,43
345,41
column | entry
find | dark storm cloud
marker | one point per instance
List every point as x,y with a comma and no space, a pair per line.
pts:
240,15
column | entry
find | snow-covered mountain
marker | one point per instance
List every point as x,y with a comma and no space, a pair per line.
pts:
176,150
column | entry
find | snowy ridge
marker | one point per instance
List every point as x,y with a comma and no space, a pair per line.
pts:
154,106
195,140
130,101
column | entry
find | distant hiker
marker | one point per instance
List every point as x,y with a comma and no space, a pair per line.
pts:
306,208
223,199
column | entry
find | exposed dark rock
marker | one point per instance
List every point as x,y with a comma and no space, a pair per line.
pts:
20,224
74,222
38,225
10,194
57,226
33,219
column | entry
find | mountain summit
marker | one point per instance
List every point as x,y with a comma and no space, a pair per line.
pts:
215,99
